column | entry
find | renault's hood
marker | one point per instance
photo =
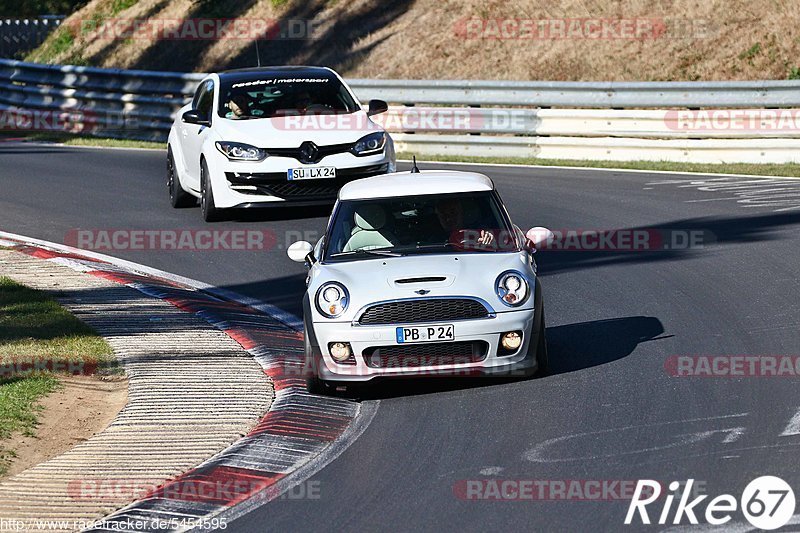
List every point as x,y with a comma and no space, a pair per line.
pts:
290,132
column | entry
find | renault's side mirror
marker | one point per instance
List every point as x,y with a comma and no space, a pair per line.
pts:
193,117
376,107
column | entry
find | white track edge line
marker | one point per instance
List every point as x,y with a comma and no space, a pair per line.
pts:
363,418
284,317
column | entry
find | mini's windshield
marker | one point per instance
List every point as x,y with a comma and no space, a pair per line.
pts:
276,96
468,222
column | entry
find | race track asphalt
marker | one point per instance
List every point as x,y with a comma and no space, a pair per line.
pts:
609,412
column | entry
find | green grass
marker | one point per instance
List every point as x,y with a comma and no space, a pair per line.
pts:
19,409
117,6
751,52
56,44
74,140
786,170
34,327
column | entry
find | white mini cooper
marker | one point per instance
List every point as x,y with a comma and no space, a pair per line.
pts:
421,273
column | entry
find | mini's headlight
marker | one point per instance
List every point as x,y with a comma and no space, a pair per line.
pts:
240,151
371,144
512,288
332,299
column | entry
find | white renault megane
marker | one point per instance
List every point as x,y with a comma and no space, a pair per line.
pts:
267,136
421,274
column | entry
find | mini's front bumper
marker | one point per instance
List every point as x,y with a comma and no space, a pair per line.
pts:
364,338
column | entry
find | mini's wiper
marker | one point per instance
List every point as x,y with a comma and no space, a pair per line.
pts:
417,247
439,245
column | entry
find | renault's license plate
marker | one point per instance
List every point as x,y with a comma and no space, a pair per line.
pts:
426,334
310,173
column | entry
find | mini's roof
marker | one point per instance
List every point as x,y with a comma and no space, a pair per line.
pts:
408,184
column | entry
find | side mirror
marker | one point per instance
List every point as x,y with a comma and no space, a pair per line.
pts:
193,117
376,107
539,236
300,252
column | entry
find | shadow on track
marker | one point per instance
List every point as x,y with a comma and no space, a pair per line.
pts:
571,348
281,212
712,231
285,292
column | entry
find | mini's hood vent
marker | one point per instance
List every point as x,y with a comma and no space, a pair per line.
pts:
425,279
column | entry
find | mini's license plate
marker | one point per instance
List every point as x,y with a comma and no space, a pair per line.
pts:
425,334
311,173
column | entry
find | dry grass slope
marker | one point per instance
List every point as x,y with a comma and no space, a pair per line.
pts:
696,40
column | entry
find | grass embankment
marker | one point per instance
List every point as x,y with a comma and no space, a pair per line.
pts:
785,170
35,329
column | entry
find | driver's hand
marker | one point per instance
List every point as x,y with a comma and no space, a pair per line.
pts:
486,238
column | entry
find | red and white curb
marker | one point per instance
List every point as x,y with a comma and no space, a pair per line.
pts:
298,436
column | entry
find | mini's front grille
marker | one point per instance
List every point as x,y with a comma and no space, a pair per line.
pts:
277,184
424,310
426,354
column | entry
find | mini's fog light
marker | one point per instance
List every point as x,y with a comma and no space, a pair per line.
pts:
340,351
511,340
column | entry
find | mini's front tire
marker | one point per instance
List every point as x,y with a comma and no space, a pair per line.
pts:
542,359
314,385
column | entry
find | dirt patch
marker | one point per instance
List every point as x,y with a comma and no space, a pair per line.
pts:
457,39
82,408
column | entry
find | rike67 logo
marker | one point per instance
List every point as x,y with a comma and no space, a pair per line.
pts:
767,503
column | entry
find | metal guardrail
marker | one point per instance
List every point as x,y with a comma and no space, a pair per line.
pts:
456,119
585,94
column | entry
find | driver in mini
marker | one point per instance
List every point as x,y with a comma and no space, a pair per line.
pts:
451,216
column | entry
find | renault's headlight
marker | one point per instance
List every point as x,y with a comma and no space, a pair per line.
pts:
371,144
332,299
512,288
240,151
